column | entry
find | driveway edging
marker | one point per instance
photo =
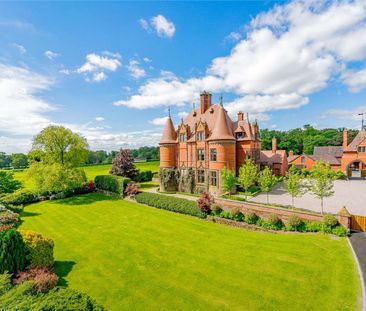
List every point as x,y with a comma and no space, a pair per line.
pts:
362,280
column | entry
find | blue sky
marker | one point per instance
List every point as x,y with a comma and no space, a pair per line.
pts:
110,70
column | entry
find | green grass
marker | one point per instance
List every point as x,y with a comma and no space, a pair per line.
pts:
92,171
132,257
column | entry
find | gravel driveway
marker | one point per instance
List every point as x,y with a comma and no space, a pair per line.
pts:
348,193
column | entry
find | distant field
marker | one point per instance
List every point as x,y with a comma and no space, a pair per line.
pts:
91,171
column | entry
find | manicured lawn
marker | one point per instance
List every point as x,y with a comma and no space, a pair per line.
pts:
133,257
92,171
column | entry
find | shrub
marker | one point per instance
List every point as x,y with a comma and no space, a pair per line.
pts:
19,198
226,215
132,188
7,182
123,164
169,203
108,183
144,176
216,209
15,208
125,182
12,251
272,222
294,223
313,226
39,249
340,231
330,220
250,217
237,214
205,201
44,279
8,218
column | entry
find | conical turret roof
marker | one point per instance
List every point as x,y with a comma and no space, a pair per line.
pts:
169,134
221,130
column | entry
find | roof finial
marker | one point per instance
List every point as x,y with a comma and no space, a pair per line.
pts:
169,111
221,102
248,117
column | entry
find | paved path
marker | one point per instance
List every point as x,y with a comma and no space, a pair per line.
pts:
358,243
177,195
349,193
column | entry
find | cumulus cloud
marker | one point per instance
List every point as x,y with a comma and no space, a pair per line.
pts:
50,55
20,48
287,53
160,25
345,114
159,121
22,111
135,70
182,114
95,66
99,119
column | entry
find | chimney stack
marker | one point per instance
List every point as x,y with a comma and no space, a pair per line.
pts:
290,153
345,138
205,101
240,116
274,145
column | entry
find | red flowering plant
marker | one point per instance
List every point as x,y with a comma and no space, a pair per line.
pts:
132,188
205,202
89,186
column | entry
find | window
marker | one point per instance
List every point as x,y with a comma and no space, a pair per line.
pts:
200,176
213,155
182,137
239,135
303,160
201,154
213,178
200,136
362,149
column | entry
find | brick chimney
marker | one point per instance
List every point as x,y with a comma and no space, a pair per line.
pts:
274,145
205,101
290,153
240,116
345,138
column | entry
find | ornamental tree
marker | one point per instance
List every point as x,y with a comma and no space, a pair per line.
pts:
205,202
293,183
321,182
248,173
228,180
266,181
123,164
7,182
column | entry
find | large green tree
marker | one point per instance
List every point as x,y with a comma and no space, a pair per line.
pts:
19,160
7,182
57,144
228,180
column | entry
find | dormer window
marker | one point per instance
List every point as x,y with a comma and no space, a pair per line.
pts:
239,135
182,137
362,149
200,136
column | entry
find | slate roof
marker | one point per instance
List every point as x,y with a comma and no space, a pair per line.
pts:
335,151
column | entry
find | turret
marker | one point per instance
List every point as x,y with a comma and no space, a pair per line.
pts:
168,145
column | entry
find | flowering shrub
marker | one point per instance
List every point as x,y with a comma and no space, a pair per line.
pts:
39,249
132,188
8,217
44,279
205,202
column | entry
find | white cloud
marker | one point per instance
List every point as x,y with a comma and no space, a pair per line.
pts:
160,25
20,48
159,121
233,36
97,64
135,70
355,80
112,54
146,60
287,54
65,71
22,111
99,119
99,76
182,114
344,114
51,55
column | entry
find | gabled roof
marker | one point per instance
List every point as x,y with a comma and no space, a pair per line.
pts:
270,157
169,134
335,151
360,137
327,158
222,129
292,158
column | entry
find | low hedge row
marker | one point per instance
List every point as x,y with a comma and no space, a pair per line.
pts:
173,204
144,176
111,183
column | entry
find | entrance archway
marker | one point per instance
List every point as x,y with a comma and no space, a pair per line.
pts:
356,169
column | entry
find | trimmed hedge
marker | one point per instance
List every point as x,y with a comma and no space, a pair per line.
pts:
39,249
111,183
173,204
144,176
19,198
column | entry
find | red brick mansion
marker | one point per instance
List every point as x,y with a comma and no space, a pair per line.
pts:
207,140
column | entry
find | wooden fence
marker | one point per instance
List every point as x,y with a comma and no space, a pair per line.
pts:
358,223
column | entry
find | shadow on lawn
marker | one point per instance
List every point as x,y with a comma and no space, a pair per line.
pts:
29,214
62,269
84,199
